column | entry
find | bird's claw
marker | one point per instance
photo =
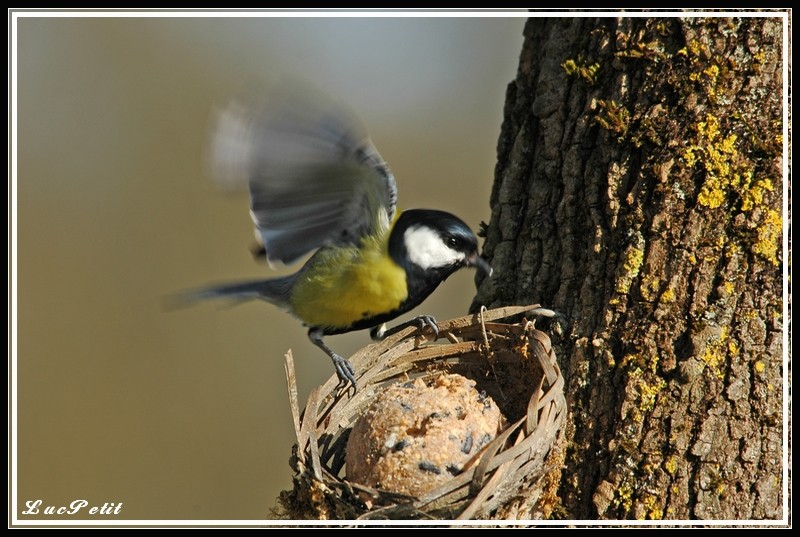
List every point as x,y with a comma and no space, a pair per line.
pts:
344,370
427,320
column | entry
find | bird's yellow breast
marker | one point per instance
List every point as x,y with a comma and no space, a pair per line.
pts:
346,285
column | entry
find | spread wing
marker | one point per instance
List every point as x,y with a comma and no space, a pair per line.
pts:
314,176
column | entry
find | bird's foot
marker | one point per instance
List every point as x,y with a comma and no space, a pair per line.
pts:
344,370
426,321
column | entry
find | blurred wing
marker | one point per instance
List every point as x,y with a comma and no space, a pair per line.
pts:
314,176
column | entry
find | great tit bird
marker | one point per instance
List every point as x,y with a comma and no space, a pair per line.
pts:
318,184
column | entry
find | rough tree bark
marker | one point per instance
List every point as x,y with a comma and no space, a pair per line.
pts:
638,192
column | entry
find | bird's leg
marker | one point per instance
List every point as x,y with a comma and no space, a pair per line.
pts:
344,370
380,332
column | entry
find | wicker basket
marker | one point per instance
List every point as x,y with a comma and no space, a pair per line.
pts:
512,363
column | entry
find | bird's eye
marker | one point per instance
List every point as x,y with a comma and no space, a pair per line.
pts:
452,242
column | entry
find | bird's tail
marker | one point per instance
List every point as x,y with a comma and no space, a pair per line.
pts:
276,291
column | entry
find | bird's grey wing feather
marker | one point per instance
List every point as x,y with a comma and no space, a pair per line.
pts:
314,176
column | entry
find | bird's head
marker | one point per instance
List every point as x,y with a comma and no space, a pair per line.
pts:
434,241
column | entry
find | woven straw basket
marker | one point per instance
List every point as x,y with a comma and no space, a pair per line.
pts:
513,363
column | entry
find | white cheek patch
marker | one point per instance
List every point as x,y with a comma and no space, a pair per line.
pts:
426,249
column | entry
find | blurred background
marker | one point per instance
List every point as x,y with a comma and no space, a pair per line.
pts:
184,414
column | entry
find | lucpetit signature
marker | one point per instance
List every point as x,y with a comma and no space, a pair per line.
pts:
34,507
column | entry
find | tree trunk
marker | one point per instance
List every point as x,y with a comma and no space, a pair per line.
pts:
638,192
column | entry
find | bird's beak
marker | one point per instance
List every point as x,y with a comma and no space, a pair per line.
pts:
474,260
